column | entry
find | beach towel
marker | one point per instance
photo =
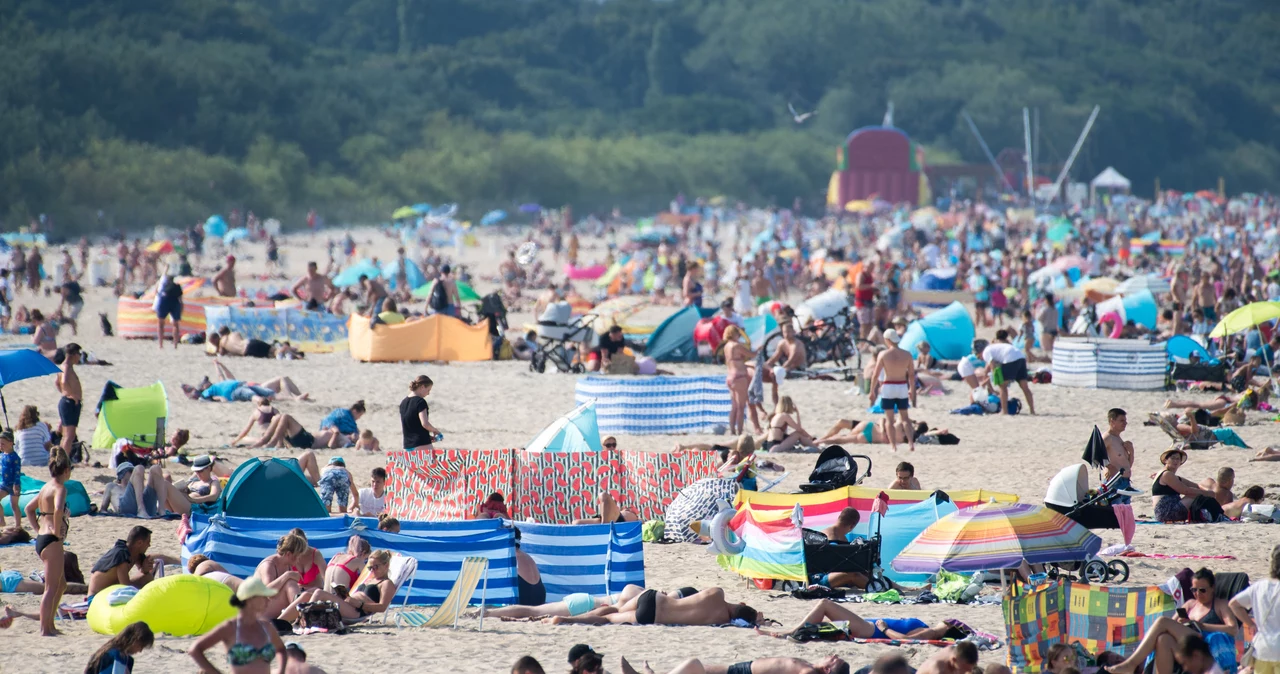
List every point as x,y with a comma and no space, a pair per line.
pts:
1124,516
1229,437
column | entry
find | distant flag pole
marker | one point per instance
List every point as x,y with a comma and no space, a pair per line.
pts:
1057,185
986,150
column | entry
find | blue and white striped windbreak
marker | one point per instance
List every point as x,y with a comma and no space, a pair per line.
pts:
656,405
570,558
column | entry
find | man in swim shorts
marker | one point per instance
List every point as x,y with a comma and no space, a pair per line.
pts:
68,383
114,566
707,607
827,611
893,380
580,603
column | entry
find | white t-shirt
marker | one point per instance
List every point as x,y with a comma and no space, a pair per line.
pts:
370,505
1001,353
968,366
1263,598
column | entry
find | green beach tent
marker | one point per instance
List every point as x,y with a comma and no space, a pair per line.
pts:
130,413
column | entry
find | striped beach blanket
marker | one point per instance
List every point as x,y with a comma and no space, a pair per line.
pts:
656,405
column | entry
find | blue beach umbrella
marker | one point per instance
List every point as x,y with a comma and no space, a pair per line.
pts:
493,217
19,364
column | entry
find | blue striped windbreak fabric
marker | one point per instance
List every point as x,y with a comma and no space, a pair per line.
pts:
570,558
656,405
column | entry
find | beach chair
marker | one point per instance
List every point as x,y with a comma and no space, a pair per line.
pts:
1206,440
474,570
403,569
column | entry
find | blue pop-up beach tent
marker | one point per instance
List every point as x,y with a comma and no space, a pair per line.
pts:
949,332
576,431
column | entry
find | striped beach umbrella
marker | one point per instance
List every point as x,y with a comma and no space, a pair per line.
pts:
995,536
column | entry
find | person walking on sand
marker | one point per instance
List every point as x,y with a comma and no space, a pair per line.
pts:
168,304
69,404
225,280
894,381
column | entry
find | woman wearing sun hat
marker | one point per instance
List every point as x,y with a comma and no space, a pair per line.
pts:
252,643
1179,499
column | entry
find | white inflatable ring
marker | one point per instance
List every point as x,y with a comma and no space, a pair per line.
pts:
725,539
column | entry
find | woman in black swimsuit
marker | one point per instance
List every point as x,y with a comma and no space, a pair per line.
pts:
1178,498
47,513
530,591
1205,610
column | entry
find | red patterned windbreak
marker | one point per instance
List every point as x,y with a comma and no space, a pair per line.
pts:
447,484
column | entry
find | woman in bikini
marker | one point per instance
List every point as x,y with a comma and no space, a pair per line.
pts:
345,567
45,336
785,431
310,564
609,511
251,640
738,378
261,416
47,514
372,597
280,565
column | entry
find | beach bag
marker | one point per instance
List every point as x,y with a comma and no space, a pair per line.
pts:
819,632
320,615
1015,406
652,531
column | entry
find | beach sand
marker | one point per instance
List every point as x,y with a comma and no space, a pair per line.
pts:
503,404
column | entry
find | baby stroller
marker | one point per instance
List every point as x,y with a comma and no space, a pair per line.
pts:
559,334
835,468
1069,494
821,556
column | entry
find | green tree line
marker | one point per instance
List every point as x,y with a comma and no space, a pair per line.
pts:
163,111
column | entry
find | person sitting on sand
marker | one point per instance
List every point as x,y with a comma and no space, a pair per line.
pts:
310,564
493,508
261,416
530,590
527,665
372,500
905,477
297,660
227,342
344,419
345,567
1221,485
367,442
1177,498
388,524
278,572
785,431
1165,638
1252,496
651,607
114,567
742,462
608,510
230,389
1206,612
829,665
372,597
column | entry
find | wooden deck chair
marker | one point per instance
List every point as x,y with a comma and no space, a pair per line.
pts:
403,568
474,570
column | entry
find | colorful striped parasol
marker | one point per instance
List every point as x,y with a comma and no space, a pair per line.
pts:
995,536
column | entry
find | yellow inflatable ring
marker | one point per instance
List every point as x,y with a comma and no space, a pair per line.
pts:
182,605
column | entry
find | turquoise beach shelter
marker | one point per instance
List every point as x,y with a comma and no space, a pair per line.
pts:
576,431
275,488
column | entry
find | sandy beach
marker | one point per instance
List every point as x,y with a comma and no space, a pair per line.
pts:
503,404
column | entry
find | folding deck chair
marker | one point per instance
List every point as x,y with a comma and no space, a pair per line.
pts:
474,570
1206,439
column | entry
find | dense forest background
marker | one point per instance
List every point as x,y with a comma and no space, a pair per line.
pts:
162,111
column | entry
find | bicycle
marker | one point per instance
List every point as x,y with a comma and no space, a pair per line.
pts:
835,339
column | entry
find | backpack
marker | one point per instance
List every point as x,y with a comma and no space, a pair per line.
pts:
439,299
818,632
320,615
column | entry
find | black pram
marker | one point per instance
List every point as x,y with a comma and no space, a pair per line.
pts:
1069,494
835,468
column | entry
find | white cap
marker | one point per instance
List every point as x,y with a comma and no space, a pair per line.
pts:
892,336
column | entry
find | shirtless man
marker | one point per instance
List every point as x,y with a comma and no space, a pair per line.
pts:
828,665
319,288
651,607
1221,487
894,381
69,405
905,477
227,341
958,659
374,294
1204,297
225,280
790,353
1119,453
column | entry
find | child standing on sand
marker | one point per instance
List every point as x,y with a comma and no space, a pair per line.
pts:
10,477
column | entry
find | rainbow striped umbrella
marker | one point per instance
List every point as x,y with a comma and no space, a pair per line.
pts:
997,536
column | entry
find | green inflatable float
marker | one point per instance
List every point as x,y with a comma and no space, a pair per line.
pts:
183,605
77,497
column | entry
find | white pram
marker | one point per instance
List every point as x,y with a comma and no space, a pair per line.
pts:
559,334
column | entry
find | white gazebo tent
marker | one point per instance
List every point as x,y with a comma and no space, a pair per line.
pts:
1110,179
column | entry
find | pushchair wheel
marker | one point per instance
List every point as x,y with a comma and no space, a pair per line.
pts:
1095,571
1117,571
538,363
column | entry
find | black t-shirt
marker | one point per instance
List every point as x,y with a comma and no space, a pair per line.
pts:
414,434
117,555
609,346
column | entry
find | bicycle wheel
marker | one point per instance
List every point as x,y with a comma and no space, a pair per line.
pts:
771,342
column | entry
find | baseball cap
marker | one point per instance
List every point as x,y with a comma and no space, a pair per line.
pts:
892,336
579,651
336,460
